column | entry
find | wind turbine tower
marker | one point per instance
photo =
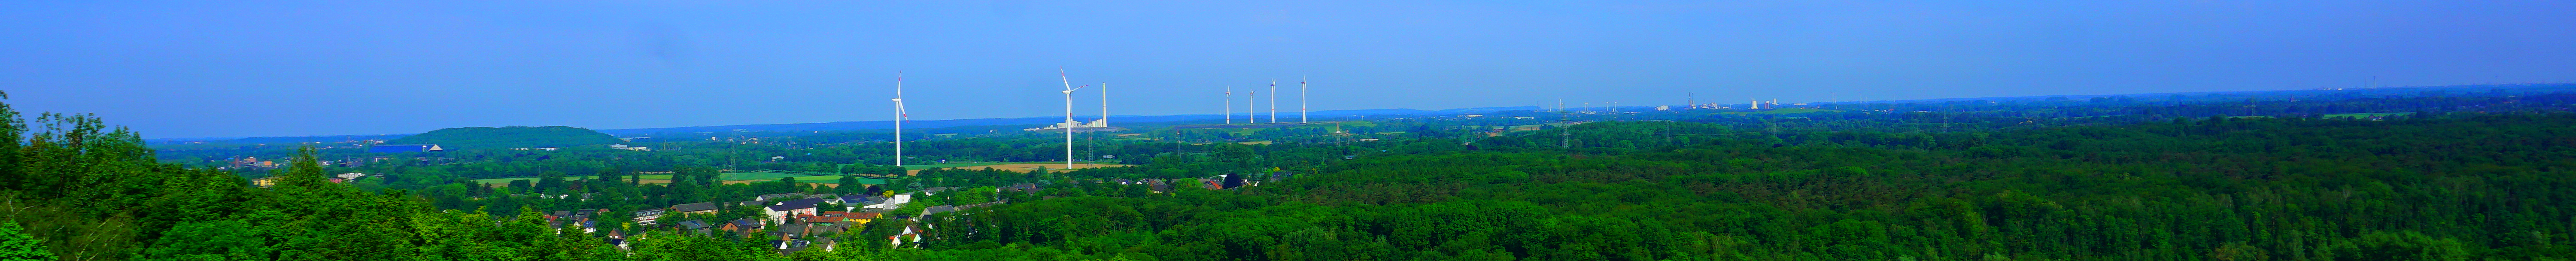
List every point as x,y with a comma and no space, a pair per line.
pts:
1301,100
1104,105
1229,105
1068,117
1274,101
899,115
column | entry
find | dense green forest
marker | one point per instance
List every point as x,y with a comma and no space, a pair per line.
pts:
2462,178
2475,187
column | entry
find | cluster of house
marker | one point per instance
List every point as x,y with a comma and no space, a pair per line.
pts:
342,178
797,220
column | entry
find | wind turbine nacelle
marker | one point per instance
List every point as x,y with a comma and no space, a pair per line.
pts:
898,99
1068,91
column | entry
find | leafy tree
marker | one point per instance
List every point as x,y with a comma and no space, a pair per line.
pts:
16,245
550,182
849,185
211,240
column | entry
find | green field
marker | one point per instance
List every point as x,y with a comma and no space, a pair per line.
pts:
868,181
757,176
970,164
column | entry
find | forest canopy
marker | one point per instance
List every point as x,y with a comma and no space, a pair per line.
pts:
508,137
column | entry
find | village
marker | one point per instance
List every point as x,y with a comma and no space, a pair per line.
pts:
792,222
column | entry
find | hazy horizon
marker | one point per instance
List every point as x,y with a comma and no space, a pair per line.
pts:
268,69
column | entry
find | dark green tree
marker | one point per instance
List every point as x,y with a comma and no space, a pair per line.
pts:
16,245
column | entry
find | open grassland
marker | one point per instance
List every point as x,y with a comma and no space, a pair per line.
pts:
1059,166
960,164
758,176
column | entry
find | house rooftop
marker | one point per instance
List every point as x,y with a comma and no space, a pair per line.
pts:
694,207
796,204
775,197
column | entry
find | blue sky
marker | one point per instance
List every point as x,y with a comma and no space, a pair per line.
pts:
232,69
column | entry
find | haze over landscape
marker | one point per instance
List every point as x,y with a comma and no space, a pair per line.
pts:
1485,131
260,68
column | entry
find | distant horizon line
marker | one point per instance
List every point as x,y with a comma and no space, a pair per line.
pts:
1257,113
752,124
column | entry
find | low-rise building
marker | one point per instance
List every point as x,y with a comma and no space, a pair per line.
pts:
784,210
694,226
892,202
695,208
777,197
645,217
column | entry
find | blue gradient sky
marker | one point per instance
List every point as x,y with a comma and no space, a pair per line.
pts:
230,69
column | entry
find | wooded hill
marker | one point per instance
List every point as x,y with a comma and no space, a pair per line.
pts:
2483,187
2429,186
508,137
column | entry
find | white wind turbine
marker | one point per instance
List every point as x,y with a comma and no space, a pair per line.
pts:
1229,105
1104,114
1274,101
899,116
1301,100
1068,116
1104,105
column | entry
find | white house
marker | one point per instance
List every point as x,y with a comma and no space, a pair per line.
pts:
789,209
892,203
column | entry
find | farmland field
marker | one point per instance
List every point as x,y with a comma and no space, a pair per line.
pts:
759,175
958,165
1059,166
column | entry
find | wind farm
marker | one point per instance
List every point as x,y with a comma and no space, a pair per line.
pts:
1258,109
1871,130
